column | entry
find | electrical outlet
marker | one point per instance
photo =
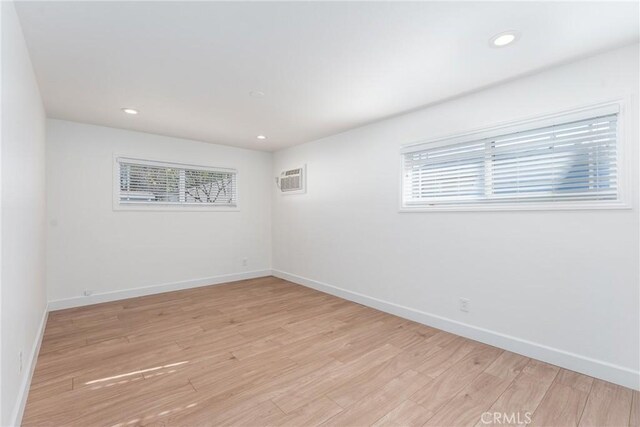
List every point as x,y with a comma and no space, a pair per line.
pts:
20,362
464,304
245,262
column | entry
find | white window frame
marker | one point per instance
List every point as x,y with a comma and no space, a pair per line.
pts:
187,207
580,113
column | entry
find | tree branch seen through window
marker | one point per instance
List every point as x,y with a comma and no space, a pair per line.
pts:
159,184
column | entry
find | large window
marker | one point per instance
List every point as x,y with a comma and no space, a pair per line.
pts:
144,182
570,161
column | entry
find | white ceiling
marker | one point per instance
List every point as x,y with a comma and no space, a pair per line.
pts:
324,66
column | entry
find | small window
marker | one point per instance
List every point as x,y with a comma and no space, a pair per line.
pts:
144,182
572,162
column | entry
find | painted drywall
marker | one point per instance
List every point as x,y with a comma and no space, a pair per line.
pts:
91,246
23,215
566,281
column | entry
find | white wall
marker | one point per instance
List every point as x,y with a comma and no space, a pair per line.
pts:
559,285
91,246
23,214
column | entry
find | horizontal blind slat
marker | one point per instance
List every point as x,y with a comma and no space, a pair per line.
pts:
146,183
569,161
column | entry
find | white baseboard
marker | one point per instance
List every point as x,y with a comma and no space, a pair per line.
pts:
575,362
23,393
155,289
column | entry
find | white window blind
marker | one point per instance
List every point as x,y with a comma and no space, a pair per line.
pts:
156,183
566,162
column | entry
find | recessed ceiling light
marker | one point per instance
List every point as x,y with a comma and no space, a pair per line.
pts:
129,111
256,94
261,137
503,39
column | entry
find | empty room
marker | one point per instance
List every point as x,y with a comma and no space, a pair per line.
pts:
319,213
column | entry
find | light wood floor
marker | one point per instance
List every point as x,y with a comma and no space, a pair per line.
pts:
268,352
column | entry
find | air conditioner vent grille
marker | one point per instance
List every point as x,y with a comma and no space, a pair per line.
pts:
290,183
292,180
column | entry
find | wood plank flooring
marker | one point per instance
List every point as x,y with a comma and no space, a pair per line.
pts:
267,352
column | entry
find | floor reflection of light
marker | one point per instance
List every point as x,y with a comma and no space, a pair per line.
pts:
159,414
99,386
141,371
157,374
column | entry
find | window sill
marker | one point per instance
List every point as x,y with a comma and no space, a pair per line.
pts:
517,207
173,208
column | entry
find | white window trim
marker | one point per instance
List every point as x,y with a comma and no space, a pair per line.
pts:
169,207
583,112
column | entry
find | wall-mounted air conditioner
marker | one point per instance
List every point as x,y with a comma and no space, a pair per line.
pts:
292,181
